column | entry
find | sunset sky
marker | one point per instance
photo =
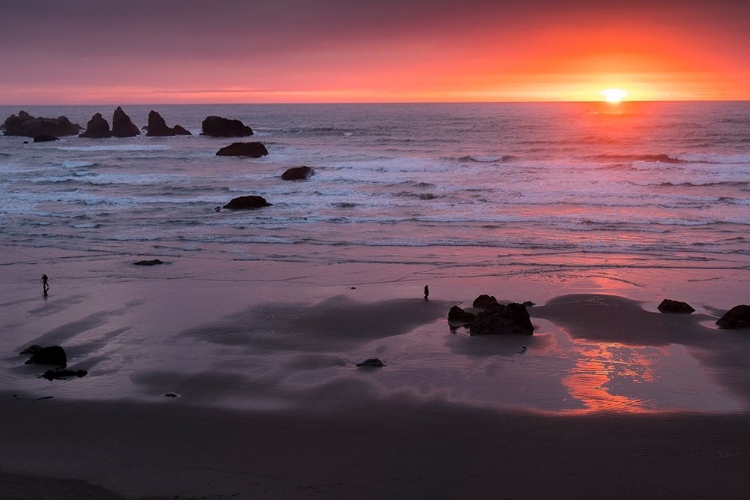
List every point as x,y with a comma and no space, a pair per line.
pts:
237,51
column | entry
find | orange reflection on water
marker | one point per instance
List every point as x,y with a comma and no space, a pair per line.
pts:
602,370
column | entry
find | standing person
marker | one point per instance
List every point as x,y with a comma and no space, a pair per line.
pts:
45,285
426,292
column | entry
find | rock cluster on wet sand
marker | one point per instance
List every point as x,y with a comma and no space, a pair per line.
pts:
495,318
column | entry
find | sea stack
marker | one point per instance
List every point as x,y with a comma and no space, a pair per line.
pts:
97,128
157,127
216,126
122,126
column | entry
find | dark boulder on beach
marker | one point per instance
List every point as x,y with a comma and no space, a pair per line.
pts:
251,149
122,125
63,374
485,302
297,173
511,319
23,124
372,363
458,315
45,138
216,126
53,355
247,203
97,128
736,317
157,127
675,307
153,262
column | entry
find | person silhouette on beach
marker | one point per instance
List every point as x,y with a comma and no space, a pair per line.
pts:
426,292
45,284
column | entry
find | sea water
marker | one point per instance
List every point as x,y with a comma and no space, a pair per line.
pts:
542,187
632,193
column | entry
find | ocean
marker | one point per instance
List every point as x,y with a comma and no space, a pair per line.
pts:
638,197
536,188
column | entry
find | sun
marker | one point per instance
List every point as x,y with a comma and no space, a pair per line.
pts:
614,95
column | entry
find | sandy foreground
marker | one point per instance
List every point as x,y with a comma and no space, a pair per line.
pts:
396,449
334,431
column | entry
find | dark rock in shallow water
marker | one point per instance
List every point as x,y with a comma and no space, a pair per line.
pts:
45,138
216,126
458,315
675,307
53,355
251,149
153,262
26,125
247,203
63,374
122,126
485,302
97,128
372,362
32,349
736,317
297,173
180,130
510,319
157,127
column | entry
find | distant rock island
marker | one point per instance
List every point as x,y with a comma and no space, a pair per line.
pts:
157,127
97,128
122,126
23,124
216,126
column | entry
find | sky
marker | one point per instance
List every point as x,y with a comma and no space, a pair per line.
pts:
247,51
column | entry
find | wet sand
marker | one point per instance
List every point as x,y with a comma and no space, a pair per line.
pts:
413,430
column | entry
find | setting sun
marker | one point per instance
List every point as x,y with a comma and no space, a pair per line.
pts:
614,95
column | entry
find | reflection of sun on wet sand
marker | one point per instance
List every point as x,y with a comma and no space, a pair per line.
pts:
627,359
590,381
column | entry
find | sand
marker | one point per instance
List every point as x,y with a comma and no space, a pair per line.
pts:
394,449
601,404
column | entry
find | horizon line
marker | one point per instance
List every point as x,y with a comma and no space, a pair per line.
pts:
284,103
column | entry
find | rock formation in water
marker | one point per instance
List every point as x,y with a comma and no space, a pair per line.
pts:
97,128
247,203
45,138
216,126
297,173
23,124
122,126
157,127
251,149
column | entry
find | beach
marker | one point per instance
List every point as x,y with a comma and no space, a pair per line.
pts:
659,411
391,449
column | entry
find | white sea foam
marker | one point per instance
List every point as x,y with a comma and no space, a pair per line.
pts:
117,147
